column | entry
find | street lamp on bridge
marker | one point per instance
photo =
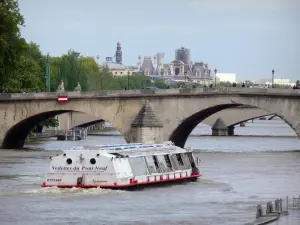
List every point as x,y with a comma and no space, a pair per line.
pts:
47,75
215,77
128,73
273,72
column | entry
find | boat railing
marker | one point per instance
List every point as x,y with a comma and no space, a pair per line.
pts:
127,147
134,146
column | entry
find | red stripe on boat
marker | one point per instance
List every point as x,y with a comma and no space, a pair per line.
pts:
115,185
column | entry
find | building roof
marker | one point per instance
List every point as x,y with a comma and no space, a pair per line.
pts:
147,64
177,62
114,66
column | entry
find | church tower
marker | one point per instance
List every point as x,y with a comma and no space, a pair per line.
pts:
119,53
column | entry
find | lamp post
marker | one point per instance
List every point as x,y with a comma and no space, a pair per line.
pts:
47,77
273,71
128,73
215,77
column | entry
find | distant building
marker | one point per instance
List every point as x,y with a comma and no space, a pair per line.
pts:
183,54
147,67
226,77
180,69
279,81
119,53
116,67
282,81
159,62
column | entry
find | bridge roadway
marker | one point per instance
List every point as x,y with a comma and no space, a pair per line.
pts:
178,110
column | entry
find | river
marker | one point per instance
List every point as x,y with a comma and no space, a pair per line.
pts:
238,173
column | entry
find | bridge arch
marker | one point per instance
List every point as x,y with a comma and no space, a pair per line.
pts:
15,137
185,128
90,123
253,118
181,133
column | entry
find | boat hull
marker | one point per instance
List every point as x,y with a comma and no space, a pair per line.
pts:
134,186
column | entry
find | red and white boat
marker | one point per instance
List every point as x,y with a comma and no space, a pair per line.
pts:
122,166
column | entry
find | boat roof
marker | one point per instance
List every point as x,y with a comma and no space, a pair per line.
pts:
131,150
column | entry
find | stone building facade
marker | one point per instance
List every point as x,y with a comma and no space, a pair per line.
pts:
180,69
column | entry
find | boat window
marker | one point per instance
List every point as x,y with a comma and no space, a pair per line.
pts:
155,162
178,156
168,161
162,164
185,160
151,165
191,158
131,147
138,166
175,163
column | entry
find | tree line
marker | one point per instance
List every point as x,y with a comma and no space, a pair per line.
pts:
23,66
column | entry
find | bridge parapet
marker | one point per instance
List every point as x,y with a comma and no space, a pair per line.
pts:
160,92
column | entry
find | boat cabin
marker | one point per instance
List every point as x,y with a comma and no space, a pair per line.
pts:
121,166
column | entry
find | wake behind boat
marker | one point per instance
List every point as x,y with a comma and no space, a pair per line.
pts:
122,166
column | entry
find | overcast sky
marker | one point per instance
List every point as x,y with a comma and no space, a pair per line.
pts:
246,37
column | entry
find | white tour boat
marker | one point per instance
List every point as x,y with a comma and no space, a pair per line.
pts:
122,166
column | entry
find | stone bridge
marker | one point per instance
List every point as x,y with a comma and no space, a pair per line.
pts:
176,111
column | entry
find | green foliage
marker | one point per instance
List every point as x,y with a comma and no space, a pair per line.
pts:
50,122
160,84
104,80
224,84
27,75
71,69
99,80
11,44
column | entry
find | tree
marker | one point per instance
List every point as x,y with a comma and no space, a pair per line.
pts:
50,122
160,84
28,74
70,69
12,45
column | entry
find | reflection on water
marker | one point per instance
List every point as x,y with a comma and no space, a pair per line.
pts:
239,172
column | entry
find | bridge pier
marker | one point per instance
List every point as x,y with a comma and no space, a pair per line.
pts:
230,131
146,127
219,128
